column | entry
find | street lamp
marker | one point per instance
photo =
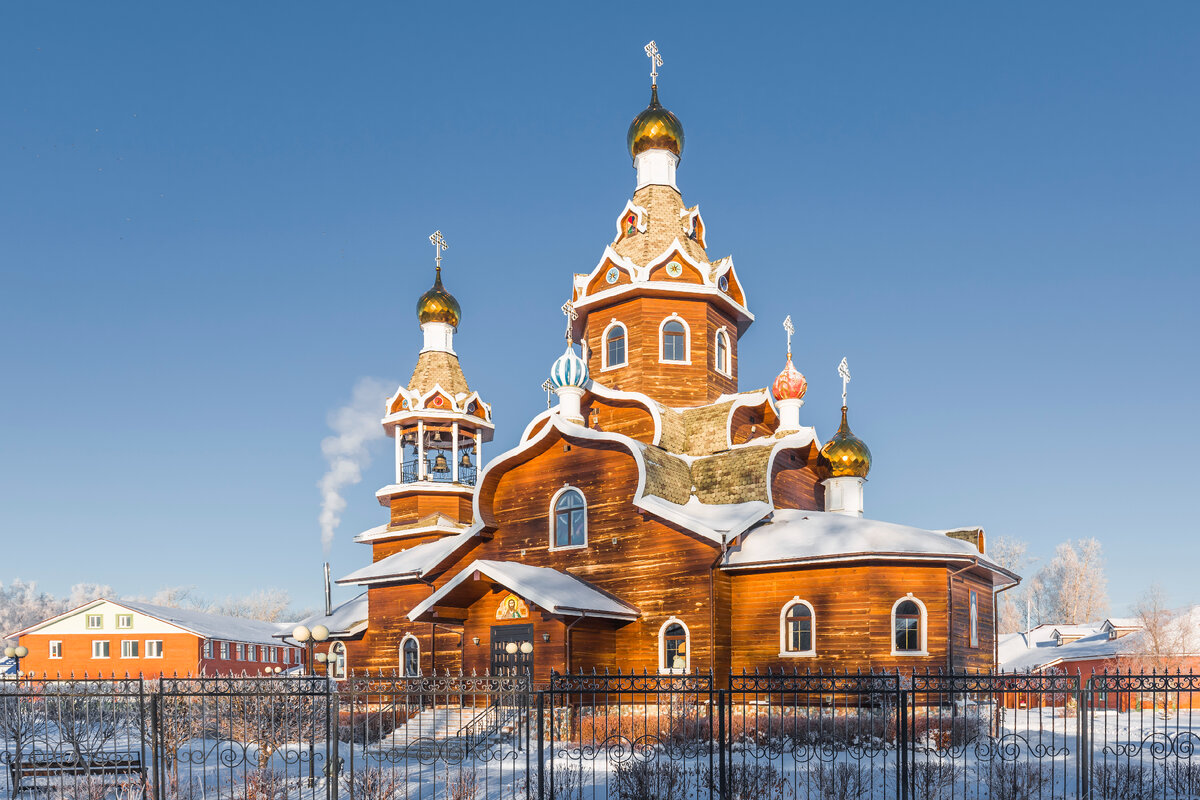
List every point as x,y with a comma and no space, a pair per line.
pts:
17,653
308,638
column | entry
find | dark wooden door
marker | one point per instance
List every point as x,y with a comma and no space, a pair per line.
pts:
515,663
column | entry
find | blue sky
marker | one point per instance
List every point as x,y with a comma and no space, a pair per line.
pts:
215,221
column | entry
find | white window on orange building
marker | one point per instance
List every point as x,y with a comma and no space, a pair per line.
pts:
154,648
129,648
99,648
56,649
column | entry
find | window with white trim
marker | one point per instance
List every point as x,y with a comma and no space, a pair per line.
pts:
95,621
908,626
674,337
56,649
225,650
154,648
568,519
674,647
615,345
99,648
241,652
797,629
124,621
208,648
721,352
129,648
336,663
410,656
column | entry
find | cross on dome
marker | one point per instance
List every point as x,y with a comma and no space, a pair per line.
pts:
844,371
439,244
790,328
568,309
548,388
655,61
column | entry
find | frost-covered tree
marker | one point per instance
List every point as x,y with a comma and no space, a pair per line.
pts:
268,605
22,605
1011,605
1167,635
82,593
1073,588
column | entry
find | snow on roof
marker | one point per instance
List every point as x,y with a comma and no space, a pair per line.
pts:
1041,651
555,592
211,626
796,535
716,522
345,619
1123,622
410,563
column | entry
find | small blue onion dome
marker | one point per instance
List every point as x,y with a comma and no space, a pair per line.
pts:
569,370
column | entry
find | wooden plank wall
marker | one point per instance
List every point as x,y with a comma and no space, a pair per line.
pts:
693,384
795,482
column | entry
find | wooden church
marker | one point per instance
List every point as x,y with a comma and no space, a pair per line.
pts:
657,517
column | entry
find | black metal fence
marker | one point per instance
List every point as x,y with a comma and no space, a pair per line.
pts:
624,736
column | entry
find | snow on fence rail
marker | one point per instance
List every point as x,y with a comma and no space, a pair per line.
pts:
624,736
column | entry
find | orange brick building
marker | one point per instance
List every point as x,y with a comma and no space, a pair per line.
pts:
115,638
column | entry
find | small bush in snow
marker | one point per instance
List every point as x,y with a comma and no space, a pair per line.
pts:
1018,780
265,784
934,780
371,783
367,728
1183,778
840,781
757,782
641,779
463,785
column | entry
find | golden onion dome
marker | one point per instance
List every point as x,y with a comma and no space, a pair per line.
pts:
438,305
846,454
655,128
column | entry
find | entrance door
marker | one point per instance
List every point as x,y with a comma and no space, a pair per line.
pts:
514,663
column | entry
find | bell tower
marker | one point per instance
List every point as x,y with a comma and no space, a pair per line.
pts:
656,315
439,425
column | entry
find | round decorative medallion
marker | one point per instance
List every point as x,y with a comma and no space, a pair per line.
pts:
674,269
723,283
613,275
405,404
438,402
471,407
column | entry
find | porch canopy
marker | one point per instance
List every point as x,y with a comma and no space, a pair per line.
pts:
551,591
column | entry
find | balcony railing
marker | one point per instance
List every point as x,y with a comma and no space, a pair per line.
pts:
410,473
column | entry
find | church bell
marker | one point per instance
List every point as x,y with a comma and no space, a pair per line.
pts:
440,465
465,461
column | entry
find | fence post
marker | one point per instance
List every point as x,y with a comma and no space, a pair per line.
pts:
902,739
1083,782
541,745
155,736
722,746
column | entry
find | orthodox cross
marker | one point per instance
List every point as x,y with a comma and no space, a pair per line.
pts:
655,61
568,310
549,387
844,371
790,328
439,244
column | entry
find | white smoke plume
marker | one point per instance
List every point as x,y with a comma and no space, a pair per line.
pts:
355,426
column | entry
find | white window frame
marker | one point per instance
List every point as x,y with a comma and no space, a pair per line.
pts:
973,617
239,651
125,644
206,651
331,660
687,339
55,649
122,619
662,648
224,651
552,514
407,638
99,619
149,649
604,346
784,652
252,652
95,648
923,632
723,333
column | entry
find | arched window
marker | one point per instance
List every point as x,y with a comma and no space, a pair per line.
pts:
797,629
568,519
614,345
674,336
410,656
674,647
721,352
336,664
908,626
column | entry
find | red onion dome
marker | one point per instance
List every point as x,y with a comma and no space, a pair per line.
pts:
790,384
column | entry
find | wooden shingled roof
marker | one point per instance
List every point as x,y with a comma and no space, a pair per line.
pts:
436,368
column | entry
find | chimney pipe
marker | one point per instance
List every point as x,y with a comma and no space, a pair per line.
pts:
328,598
